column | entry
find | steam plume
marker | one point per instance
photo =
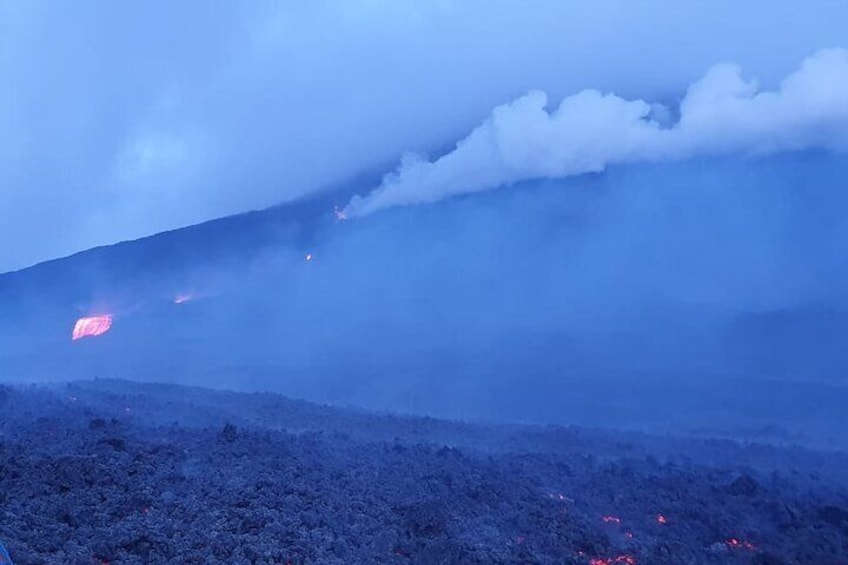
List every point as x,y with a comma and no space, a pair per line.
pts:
721,113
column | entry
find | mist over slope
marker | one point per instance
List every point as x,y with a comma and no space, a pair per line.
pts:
663,294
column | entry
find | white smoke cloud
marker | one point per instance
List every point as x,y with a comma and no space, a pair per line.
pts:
721,113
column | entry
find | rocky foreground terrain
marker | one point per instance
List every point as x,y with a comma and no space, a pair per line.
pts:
114,472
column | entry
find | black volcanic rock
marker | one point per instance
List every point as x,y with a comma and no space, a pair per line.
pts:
351,487
744,486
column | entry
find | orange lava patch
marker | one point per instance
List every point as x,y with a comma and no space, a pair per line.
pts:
92,326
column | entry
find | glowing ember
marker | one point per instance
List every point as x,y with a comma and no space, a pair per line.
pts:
611,519
662,519
621,559
734,543
92,326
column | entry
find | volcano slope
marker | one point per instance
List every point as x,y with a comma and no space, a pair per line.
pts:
115,472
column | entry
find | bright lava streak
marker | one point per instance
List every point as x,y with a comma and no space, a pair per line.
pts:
618,560
92,326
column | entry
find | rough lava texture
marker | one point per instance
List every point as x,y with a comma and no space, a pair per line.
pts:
115,472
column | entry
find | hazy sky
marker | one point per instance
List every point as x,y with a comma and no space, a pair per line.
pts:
119,120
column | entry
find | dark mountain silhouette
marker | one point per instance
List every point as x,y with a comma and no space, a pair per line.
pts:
133,268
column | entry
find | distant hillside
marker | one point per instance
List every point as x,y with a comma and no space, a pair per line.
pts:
137,266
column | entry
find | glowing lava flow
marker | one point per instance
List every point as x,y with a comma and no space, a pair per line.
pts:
92,326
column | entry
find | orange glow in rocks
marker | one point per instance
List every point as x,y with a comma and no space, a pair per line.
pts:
92,326
617,560
734,543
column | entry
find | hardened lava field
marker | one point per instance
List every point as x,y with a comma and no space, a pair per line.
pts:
104,474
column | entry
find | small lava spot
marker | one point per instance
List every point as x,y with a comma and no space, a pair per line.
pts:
734,543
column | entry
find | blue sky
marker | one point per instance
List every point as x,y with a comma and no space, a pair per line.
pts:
122,120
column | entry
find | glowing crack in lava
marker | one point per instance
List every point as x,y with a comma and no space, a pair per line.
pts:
734,543
620,559
92,326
